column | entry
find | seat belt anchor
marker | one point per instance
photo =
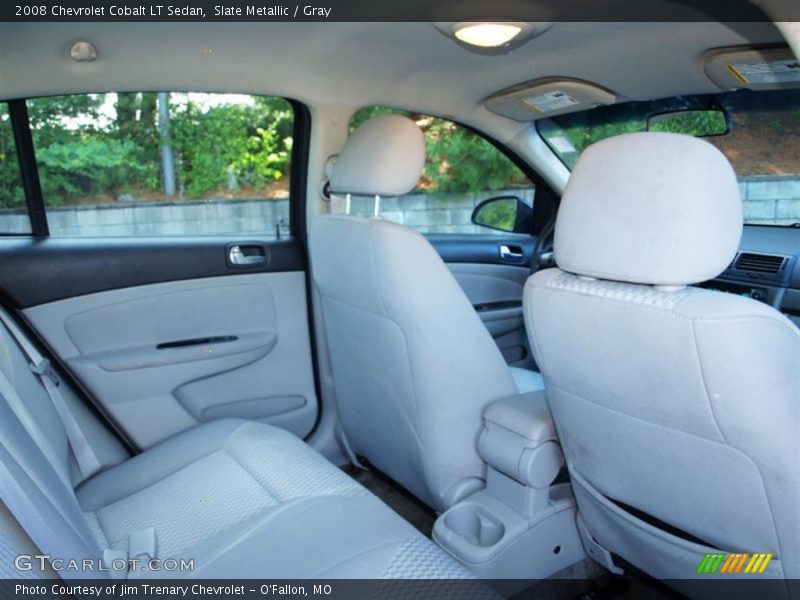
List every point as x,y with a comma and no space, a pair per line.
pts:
44,368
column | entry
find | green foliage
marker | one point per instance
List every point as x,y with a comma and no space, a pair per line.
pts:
11,192
98,146
464,162
251,142
86,166
458,160
699,123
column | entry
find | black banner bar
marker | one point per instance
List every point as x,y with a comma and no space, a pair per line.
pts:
398,10
713,587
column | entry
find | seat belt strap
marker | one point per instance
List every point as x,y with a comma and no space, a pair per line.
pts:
88,464
18,407
35,523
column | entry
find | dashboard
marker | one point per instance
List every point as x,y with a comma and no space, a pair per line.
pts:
766,268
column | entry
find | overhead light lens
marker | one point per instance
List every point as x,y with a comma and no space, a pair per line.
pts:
487,35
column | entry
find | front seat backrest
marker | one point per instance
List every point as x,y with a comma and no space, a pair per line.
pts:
678,408
413,365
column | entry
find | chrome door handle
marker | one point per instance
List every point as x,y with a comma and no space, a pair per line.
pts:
246,255
511,254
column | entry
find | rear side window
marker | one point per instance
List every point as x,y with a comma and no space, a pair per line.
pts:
462,170
150,164
13,211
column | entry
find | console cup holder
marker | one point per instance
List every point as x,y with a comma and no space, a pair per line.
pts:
475,525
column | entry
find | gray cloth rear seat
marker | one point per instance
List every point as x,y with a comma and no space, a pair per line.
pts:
242,499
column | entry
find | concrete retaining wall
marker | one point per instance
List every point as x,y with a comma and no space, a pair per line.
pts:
772,200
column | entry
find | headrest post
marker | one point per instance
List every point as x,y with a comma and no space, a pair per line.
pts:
347,204
377,207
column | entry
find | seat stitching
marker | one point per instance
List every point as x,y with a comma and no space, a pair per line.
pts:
672,311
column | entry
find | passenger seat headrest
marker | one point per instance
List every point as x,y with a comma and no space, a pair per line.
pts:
384,157
652,208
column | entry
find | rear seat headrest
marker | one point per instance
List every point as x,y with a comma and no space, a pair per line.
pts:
384,157
652,208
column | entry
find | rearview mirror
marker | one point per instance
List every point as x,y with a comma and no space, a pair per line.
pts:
697,123
504,213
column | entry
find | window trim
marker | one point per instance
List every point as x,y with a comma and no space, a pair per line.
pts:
543,212
29,170
298,170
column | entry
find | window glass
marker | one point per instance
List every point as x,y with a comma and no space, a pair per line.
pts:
13,210
762,143
137,164
462,169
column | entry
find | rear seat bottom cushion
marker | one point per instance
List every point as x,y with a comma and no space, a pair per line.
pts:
246,500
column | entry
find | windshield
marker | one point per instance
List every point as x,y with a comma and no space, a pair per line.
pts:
763,143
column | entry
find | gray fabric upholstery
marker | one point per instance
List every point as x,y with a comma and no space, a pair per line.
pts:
413,365
242,499
682,403
673,218
384,157
526,380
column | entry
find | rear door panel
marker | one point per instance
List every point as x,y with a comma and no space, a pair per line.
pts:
161,347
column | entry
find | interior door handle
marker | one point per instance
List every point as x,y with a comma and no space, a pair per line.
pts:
246,255
511,253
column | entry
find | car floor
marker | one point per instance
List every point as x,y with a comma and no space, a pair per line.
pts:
585,580
403,503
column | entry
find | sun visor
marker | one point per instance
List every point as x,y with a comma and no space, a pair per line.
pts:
753,69
548,98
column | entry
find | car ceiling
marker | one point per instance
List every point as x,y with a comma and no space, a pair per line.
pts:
408,65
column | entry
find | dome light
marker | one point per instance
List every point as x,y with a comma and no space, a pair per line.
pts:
487,35
491,37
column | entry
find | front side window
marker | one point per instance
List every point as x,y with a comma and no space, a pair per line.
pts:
761,138
462,171
141,164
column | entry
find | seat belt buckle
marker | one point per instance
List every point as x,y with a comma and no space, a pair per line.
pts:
45,369
115,562
142,544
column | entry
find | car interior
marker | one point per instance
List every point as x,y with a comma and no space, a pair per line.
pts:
392,301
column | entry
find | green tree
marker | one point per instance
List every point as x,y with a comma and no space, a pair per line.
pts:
11,192
457,160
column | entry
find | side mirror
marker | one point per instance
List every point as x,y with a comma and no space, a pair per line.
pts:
698,123
504,213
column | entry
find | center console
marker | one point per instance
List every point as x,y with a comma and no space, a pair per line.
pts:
521,525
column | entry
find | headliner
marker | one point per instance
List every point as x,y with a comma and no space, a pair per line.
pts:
408,65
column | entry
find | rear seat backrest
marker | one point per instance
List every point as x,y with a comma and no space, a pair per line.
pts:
41,473
51,508
15,367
